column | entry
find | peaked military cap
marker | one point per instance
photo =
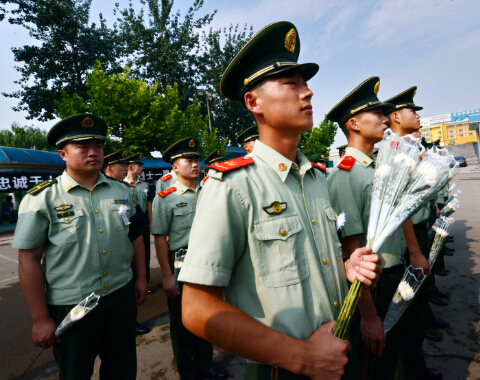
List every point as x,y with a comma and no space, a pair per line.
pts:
362,98
319,157
342,148
134,159
272,50
251,133
77,127
117,157
215,156
403,100
184,148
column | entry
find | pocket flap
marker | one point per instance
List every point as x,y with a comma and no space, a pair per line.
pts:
66,217
330,213
178,211
278,227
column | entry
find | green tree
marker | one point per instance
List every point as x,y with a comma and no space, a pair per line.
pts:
27,137
139,118
318,140
65,47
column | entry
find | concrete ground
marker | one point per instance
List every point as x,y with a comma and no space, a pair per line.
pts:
457,356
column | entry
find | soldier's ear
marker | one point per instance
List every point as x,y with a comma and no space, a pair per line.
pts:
63,154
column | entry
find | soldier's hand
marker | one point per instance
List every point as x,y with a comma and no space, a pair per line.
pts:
371,328
141,291
169,286
43,333
328,354
364,266
417,260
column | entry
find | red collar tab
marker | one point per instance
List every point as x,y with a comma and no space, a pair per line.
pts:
205,179
347,163
166,177
232,164
165,192
318,166
129,185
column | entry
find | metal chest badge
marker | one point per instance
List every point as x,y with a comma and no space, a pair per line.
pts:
181,204
276,208
63,207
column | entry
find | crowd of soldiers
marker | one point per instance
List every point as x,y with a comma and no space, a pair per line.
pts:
266,271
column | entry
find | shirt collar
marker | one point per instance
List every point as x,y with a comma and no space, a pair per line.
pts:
70,183
359,156
181,188
280,164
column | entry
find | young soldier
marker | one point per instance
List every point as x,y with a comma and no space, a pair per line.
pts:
116,165
321,161
73,241
247,138
360,117
173,213
265,231
403,119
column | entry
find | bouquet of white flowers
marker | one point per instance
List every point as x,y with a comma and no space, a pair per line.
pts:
77,313
177,265
441,227
451,206
406,290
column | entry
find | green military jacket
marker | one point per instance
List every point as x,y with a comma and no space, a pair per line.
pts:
173,215
266,232
141,193
351,192
166,181
86,244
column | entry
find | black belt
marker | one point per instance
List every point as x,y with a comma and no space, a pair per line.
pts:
254,371
421,226
394,269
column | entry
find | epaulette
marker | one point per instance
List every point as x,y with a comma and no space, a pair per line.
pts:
41,186
165,192
347,163
318,166
166,177
118,180
232,164
205,179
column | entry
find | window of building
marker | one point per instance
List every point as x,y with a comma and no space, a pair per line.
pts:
460,130
452,142
471,134
460,135
450,127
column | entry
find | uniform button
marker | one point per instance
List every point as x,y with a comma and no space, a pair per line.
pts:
106,285
335,304
314,221
67,219
105,291
96,211
91,192
104,252
283,233
402,237
325,261
183,213
101,231
104,273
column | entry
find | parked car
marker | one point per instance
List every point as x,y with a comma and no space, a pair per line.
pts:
461,161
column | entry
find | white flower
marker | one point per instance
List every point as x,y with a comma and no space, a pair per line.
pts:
382,171
410,162
450,206
178,264
77,313
341,220
406,291
428,172
146,191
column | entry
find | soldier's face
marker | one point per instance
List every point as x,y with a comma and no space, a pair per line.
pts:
83,156
284,103
410,120
118,171
188,168
137,169
371,124
248,146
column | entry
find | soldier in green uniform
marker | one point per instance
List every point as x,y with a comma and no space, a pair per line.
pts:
173,213
74,238
321,160
247,138
166,181
359,115
215,156
404,119
265,232
341,150
115,165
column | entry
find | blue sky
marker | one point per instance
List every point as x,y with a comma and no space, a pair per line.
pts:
433,44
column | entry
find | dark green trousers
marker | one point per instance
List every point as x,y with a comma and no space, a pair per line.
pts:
191,352
255,371
107,331
362,364
146,242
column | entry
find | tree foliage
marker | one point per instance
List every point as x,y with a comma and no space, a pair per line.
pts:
318,140
27,137
65,47
139,118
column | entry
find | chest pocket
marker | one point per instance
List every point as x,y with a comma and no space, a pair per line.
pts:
182,218
332,227
69,229
118,222
281,249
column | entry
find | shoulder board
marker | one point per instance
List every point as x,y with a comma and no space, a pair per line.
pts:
142,180
205,179
130,185
166,177
232,164
165,192
347,163
41,186
118,180
318,166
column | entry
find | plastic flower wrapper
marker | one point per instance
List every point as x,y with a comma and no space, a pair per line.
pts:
77,313
406,290
177,265
441,227
451,206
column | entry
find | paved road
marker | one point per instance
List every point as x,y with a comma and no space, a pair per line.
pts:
458,355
